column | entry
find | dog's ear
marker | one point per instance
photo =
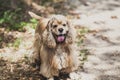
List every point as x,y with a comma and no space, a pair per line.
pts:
50,39
49,24
69,37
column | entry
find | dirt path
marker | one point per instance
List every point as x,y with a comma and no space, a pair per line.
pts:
102,17
103,43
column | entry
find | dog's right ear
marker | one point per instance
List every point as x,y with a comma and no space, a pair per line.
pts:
33,15
50,39
49,24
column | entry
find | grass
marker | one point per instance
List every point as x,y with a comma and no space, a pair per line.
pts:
83,54
81,34
1,39
12,20
81,37
16,43
32,23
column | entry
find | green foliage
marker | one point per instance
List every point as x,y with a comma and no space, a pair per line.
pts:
1,39
81,35
16,43
83,54
45,1
33,23
83,31
11,20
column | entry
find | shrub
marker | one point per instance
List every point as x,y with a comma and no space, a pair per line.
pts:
11,20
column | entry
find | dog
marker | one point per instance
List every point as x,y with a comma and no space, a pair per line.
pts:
54,46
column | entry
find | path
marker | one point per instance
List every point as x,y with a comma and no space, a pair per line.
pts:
103,44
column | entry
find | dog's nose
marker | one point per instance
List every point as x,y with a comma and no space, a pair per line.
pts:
60,30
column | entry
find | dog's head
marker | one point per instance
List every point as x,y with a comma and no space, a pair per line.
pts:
59,28
59,31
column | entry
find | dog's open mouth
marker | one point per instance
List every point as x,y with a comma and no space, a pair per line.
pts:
60,38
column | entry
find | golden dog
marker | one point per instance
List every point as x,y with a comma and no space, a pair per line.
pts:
54,46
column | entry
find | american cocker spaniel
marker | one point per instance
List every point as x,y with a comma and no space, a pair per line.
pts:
54,46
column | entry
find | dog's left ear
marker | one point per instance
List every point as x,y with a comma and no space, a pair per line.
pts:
69,38
50,39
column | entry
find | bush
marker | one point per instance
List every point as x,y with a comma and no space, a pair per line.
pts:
11,20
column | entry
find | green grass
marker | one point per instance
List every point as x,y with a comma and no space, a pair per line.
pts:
33,23
16,43
83,54
1,39
12,20
81,35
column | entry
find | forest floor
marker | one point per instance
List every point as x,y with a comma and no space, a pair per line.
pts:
102,42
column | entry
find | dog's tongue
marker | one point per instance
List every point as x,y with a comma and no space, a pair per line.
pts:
60,38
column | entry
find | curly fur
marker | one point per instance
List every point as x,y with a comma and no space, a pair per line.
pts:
52,57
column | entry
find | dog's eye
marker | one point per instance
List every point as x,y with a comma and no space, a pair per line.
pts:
54,26
64,24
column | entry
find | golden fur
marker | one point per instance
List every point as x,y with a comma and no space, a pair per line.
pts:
55,54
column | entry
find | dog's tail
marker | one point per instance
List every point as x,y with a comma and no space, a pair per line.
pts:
33,15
